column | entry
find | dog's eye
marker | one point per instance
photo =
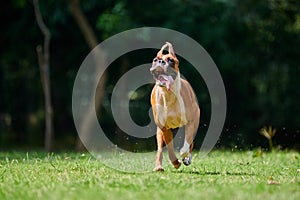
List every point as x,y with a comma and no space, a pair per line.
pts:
170,60
155,60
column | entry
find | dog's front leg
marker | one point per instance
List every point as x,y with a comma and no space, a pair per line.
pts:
159,154
168,138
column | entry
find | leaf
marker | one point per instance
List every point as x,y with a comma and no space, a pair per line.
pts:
271,181
257,153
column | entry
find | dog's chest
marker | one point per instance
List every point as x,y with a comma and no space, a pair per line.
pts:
169,109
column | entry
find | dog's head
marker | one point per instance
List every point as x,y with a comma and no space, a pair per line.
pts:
165,66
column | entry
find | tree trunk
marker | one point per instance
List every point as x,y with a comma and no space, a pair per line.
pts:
92,42
43,57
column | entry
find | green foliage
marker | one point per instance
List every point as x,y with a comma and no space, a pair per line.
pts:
255,45
114,20
19,3
221,175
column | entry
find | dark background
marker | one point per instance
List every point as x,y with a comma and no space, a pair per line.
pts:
255,45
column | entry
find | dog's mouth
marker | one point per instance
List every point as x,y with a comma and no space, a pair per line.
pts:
164,77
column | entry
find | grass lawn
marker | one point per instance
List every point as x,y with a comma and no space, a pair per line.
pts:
220,175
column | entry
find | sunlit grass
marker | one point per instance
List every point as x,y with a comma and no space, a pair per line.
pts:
220,175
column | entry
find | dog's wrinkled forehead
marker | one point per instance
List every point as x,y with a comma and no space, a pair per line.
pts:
170,57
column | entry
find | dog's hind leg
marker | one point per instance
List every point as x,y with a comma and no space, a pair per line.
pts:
186,150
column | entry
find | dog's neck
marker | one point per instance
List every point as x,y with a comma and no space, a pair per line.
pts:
176,86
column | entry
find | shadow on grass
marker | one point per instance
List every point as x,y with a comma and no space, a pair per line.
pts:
217,173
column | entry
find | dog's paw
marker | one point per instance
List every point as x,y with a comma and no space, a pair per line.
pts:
186,158
176,164
158,169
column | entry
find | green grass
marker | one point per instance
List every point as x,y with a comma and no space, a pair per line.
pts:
220,175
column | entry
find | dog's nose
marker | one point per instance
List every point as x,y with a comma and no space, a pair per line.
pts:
162,62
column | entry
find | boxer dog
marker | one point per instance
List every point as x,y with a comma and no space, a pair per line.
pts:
174,105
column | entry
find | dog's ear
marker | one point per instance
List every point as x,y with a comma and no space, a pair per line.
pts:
161,51
176,66
172,53
171,50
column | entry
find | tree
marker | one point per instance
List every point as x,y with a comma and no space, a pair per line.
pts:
43,57
92,42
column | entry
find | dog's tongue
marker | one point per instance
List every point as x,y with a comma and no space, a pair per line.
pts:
167,80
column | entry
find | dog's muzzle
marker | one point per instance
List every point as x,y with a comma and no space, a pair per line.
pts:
163,75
